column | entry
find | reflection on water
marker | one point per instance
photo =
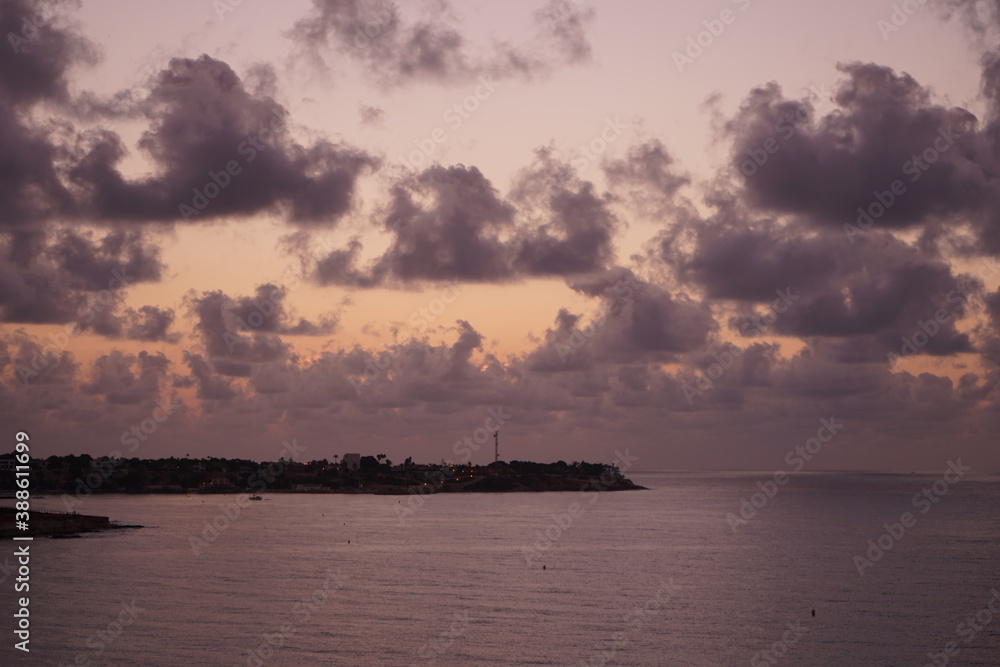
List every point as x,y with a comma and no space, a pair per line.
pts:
635,578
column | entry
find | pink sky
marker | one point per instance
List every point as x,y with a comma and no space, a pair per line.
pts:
539,207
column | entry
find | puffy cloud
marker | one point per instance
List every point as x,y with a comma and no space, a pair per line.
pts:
450,223
35,361
127,379
34,68
637,322
237,159
211,386
239,331
819,285
446,223
885,129
72,275
568,227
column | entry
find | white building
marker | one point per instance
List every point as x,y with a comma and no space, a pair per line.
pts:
351,461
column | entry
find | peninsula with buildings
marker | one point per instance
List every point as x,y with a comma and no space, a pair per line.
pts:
80,476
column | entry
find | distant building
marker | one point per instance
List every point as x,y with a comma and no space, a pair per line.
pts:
6,464
351,461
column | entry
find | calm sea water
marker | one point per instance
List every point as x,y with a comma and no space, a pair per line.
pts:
634,578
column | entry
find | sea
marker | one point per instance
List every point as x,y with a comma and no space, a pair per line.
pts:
699,569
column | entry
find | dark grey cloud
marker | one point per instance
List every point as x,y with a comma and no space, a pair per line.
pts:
885,129
152,324
237,160
239,331
993,307
432,47
636,322
72,275
211,386
568,228
458,235
125,379
40,49
450,223
39,361
786,279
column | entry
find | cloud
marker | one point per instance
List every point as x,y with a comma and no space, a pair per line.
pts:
647,178
239,331
450,223
211,386
124,379
445,222
885,129
43,48
432,47
637,322
371,115
238,159
568,228
40,50
35,361
152,324
819,285
71,275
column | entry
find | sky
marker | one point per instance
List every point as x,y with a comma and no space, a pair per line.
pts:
717,234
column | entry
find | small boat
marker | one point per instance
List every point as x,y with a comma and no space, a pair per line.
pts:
255,497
